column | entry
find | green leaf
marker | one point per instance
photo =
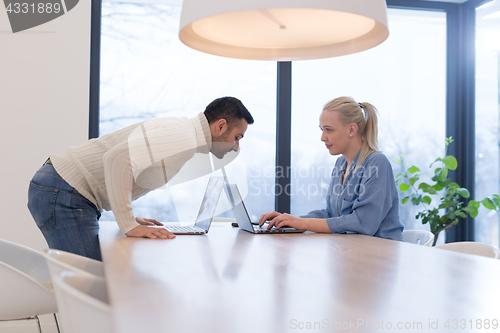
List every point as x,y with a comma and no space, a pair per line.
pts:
437,187
474,203
403,187
440,174
414,179
450,162
427,188
445,204
397,160
488,203
443,174
426,200
416,200
413,169
405,200
444,182
451,190
462,214
496,199
464,193
471,209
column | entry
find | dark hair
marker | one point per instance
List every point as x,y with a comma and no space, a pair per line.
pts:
229,108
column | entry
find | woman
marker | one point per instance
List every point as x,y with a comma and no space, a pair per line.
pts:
362,197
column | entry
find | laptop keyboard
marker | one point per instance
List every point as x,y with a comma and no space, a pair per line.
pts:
185,229
264,228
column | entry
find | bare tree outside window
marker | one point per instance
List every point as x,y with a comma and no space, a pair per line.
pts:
146,72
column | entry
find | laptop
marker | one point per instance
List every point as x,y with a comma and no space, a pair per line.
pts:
206,212
241,214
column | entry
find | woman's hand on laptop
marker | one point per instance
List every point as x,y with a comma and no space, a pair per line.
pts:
287,220
267,217
279,220
150,232
145,221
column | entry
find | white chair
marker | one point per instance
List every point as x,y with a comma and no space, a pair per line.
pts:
480,249
65,261
83,303
25,284
419,237
62,261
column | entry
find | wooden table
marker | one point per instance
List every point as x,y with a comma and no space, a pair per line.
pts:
234,281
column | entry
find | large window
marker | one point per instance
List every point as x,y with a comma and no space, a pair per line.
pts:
487,117
147,72
404,77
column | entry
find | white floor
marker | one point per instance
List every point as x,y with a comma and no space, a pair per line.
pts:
29,326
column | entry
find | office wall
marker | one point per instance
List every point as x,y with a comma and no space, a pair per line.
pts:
44,103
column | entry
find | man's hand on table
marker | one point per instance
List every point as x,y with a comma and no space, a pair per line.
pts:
146,229
145,221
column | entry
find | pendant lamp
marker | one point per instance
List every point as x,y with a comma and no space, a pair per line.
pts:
283,30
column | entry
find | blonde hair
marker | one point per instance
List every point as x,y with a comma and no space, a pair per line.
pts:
364,115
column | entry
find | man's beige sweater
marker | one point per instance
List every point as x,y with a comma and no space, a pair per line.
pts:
113,170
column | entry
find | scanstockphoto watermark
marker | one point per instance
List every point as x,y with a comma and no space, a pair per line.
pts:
355,324
306,182
321,171
256,171
269,188
455,324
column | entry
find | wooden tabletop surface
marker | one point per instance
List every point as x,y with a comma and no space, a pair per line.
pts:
233,281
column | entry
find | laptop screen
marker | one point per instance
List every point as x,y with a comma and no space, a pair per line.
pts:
209,203
238,207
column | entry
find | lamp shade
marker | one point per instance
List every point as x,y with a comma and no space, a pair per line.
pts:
283,30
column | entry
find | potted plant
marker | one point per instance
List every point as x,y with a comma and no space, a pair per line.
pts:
448,193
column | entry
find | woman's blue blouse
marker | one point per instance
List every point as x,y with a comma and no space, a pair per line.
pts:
366,203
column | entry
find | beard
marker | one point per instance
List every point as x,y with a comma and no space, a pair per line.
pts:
219,146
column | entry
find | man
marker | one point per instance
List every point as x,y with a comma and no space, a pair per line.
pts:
67,195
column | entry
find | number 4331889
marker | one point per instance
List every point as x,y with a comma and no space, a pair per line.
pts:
40,8
477,324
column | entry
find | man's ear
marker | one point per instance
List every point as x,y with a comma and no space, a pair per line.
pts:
220,127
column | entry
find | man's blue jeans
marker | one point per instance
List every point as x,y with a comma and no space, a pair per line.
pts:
68,221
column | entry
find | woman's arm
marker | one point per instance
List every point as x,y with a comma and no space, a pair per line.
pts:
297,222
280,220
